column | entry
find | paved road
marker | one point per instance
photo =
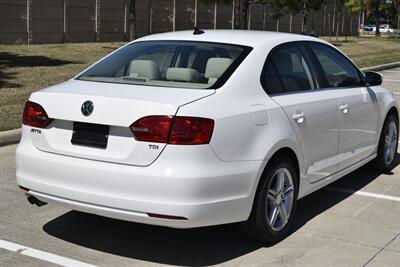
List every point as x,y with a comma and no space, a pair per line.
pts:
354,222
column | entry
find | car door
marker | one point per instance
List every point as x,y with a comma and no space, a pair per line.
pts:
356,103
289,79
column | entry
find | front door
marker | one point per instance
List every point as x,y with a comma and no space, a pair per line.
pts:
356,104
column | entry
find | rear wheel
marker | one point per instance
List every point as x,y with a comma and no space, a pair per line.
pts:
388,142
275,203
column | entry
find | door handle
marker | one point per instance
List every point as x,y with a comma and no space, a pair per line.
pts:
298,117
344,108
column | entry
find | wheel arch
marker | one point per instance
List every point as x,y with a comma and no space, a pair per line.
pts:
285,151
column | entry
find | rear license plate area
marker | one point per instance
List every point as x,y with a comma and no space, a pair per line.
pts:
91,135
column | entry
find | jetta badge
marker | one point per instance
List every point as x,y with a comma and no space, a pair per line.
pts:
87,108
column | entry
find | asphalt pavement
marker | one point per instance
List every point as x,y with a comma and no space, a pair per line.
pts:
353,222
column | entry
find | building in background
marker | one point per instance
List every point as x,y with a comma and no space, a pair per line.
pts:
58,21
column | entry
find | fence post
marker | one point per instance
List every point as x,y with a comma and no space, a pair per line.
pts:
233,14
126,20
28,21
215,13
150,16
195,13
97,20
65,18
173,15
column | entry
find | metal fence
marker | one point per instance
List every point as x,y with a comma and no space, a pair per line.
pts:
58,21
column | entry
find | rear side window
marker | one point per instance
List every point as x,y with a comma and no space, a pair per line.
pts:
287,70
179,64
339,71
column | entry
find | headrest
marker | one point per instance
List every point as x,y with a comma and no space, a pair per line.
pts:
183,75
145,68
216,66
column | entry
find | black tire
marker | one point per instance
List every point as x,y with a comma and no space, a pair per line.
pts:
258,226
380,163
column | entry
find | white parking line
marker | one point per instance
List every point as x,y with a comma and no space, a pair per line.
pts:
45,256
396,93
396,71
362,193
391,80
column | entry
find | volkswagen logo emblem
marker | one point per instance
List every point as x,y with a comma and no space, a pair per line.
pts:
87,108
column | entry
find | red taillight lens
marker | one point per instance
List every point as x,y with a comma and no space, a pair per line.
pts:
35,115
191,131
152,128
173,130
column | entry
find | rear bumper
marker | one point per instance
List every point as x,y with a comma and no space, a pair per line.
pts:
184,181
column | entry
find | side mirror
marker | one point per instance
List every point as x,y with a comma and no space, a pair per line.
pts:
373,78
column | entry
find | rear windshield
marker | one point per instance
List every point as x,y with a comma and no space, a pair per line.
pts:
181,64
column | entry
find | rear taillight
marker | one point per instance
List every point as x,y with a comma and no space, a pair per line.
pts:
175,130
35,115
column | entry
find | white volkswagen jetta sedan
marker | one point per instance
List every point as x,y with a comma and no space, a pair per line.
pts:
193,129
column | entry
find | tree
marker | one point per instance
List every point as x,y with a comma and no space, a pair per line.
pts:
132,20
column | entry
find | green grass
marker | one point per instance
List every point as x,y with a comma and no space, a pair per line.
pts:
24,69
370,51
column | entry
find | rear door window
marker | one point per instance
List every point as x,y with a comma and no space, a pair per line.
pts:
288,70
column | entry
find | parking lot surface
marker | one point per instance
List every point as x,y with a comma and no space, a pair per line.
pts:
353,222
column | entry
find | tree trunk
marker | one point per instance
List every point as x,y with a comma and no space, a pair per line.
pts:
377,6
329,26
132,20
334,17
337,26
244,15
150,16
264,16
249,16
324,20
237,14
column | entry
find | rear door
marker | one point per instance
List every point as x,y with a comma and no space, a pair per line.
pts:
356,103
289,79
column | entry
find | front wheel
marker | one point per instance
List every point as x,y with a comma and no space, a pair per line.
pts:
388,142
275,203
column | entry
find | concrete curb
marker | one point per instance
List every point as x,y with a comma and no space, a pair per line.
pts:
10,137
13,136
382,67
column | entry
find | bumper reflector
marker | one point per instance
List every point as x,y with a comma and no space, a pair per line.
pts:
168,217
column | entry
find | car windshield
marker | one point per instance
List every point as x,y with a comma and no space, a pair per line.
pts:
182,64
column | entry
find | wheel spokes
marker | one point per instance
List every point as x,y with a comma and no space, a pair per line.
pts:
274,215
272,195
283,212
280,180
279,199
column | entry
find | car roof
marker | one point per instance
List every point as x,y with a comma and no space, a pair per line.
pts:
239,37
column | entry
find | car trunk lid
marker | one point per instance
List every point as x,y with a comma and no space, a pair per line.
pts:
115,108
